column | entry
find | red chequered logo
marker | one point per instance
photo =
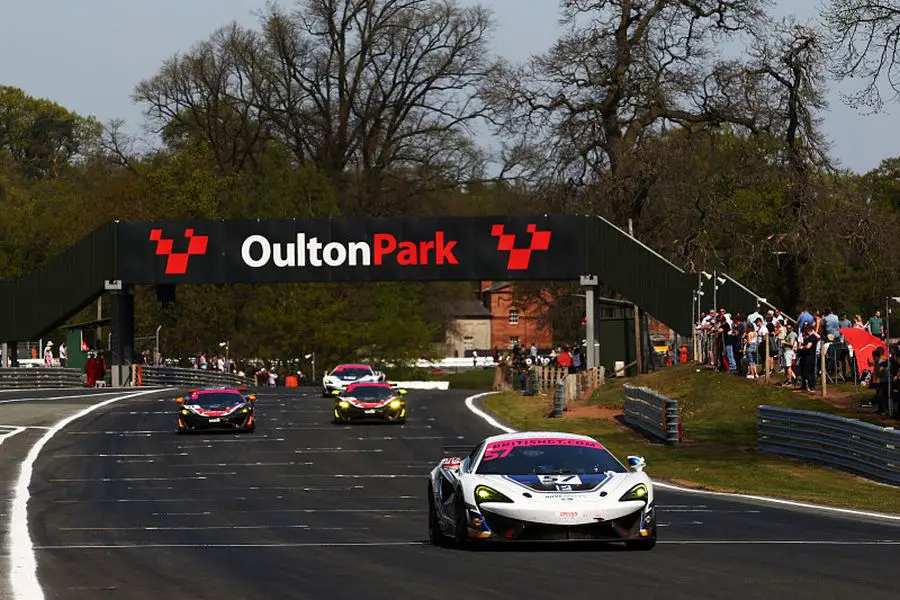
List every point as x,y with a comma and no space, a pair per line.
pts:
177,262
520,258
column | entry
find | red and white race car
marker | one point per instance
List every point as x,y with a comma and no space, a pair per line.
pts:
370,401
216,408
345,375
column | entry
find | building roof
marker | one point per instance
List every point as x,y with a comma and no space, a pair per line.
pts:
466,308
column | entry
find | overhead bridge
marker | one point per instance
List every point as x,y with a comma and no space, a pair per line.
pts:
120,255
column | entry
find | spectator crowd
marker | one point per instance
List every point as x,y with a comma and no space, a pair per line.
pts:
764,343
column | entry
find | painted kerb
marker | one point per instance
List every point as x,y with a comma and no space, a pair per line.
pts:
653,414
838,442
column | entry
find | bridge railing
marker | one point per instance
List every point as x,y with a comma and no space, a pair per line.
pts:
178,377
26,378
847,444
653,414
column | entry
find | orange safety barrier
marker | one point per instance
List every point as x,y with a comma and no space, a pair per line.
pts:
291,381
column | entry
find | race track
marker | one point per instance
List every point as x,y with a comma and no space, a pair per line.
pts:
121,507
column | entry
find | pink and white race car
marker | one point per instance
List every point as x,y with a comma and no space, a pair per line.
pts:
540,486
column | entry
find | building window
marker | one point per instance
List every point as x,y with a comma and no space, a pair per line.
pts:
513,341
513,316
468,343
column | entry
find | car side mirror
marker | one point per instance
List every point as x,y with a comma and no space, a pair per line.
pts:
179,400
637,463
401,392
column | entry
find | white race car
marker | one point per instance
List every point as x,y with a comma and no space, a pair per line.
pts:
539,486
345,375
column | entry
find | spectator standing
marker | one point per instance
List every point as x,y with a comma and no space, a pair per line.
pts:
845,322
858,322
48,354
534,352
762,337
564,360
832,325
875,326
751,339
731,339
880,378
804,318
576,360
474,358
788,354
807,353
63,355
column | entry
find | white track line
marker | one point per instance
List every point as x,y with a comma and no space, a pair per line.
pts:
779,501
12,430
259,545
470,404
23,560
71,396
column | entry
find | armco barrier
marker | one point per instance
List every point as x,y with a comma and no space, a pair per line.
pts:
838,442
653,414
176,377
40,378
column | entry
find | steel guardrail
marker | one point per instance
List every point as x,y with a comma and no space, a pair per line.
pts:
40,377
847,444
178,377
653,414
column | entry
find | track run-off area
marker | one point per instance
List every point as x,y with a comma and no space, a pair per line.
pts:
117,505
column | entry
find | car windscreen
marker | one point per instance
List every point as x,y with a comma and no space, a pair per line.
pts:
210,400
352,373
370,393
537,456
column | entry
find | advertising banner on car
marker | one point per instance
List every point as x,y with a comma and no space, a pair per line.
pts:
378,249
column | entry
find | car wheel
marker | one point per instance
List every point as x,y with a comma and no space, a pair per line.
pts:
435,535
461,533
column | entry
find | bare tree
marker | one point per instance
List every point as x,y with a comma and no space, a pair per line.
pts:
212,93
360,88
865,44
623,71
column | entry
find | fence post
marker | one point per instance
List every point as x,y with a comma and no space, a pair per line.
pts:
559,401
824,373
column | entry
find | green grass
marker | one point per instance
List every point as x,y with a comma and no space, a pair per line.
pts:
476,379
718,453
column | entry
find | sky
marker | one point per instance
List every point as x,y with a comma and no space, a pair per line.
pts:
87,55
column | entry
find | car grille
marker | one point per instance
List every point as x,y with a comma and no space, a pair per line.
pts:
525,531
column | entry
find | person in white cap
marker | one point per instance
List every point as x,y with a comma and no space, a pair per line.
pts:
48,355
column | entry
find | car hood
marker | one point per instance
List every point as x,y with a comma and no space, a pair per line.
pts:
548,486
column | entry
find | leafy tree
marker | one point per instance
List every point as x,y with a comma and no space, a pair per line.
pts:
42,136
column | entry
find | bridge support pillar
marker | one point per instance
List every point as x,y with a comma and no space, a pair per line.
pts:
4,363
589,283
122,350
11,354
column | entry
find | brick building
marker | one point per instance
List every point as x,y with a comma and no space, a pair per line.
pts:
512,322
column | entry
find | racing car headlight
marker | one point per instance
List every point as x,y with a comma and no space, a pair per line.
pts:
395,404
344,404
185,411
246,409
638,492
485,494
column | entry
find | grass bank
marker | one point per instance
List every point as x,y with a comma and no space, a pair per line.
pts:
718,453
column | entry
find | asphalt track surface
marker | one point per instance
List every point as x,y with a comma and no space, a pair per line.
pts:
122,507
